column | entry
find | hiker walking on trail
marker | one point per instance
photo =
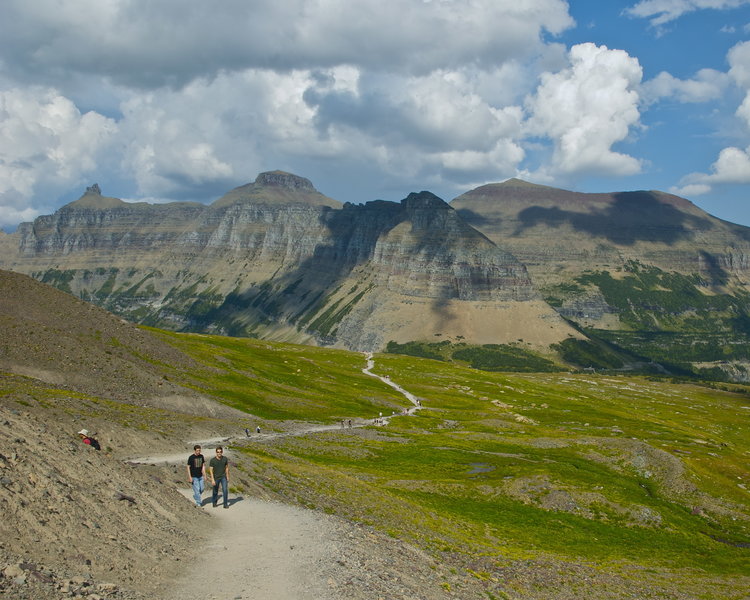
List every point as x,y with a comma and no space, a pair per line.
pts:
218,469
196,467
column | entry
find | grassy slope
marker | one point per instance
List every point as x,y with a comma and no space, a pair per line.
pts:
277,381
614,472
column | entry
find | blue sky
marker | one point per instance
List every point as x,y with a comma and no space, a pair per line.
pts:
678,137
164,101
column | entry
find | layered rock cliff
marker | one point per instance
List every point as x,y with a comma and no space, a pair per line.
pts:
571,232
647,271
278,259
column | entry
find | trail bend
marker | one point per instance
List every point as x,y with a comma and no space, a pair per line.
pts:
259,549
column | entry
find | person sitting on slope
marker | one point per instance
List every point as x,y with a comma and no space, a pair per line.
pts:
89,439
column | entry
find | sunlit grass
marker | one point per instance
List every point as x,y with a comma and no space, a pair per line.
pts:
582,467
284,381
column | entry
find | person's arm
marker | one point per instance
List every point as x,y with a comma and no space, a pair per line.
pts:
226,473
190,477
211,473
203,469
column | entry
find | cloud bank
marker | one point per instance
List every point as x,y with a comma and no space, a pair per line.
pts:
186,100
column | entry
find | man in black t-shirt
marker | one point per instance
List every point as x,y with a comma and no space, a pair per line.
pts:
196,472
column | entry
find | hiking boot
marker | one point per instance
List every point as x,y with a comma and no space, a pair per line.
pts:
214,504
226,506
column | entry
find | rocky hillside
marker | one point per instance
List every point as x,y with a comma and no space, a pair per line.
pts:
277,259
61,341
560,234
656,283
77,520
647,272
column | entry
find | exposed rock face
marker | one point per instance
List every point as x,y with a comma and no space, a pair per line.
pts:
278,259
287,180
645,272
277,187
559,234
545,227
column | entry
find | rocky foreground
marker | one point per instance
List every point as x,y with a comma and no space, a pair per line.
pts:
81,523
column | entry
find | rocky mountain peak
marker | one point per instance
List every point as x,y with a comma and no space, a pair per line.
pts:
92,198
424,199
284,179
278,188
515,182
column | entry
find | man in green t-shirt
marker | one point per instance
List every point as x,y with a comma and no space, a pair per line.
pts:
218,470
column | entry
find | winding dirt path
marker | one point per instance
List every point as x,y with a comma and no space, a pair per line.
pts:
261,550
265,550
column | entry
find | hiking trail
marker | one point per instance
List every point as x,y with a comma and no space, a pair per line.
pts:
260,549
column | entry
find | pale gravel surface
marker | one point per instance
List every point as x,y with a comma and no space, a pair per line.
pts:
261,550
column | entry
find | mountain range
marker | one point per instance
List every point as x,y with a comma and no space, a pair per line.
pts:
603,280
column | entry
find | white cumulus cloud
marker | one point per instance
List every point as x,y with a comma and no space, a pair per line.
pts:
149,44
45,144
732,166
664,11
588,107
706,85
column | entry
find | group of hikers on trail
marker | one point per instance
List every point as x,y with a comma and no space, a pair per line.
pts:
218,473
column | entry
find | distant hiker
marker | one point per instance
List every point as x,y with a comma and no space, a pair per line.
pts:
218,469
342,423
196,468
89,439
247,432
350,423
257,429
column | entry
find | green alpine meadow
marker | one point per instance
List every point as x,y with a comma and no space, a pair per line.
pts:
623,474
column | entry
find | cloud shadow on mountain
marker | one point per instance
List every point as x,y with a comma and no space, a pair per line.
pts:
632,217
310,295
478,220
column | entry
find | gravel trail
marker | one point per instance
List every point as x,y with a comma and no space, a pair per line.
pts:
260,550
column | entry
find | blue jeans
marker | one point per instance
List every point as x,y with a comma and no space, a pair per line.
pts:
224,488
197,489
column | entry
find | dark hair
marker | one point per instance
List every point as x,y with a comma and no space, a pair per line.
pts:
220,448
197,447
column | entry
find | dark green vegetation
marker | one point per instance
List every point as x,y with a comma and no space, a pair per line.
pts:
614,472
489,357
678,321
587,354
648,298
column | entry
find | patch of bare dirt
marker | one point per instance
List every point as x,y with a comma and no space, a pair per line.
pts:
58,339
